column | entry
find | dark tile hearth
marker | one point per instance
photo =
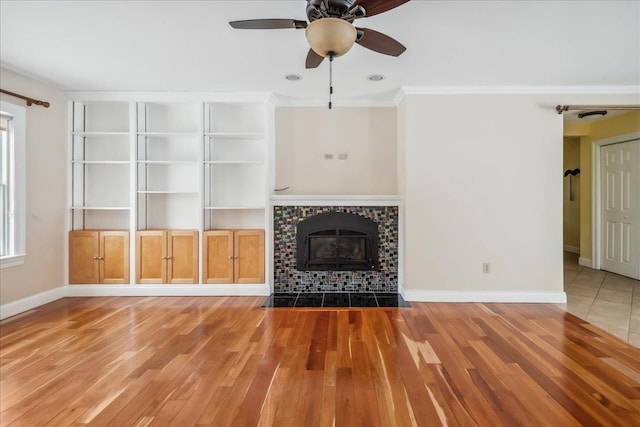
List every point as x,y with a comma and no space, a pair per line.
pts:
335,299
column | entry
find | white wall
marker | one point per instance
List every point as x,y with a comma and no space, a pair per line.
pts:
367,135
483,183
46,155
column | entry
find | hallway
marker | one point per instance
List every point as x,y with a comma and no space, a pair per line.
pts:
607,300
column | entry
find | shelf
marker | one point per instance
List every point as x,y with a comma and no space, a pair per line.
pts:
167,192
101,208
170,134
168,162
171,158
97,134
235,135
101,162
215,208
233,162
239,217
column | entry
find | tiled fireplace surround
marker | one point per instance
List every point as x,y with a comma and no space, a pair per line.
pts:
288,279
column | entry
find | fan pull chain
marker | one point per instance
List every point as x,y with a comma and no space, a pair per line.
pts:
330,78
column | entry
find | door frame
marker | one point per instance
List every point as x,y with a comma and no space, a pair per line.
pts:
596,193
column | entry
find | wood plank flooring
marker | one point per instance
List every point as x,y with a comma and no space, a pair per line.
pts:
228,362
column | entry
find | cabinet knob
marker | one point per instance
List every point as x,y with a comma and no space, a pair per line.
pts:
230,257
96,258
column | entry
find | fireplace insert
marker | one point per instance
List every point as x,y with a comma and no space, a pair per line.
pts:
337,241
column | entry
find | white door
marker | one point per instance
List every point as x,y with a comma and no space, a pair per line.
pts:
620,186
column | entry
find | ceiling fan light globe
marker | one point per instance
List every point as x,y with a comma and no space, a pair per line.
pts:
331,35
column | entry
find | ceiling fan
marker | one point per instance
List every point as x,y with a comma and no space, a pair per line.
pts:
330,30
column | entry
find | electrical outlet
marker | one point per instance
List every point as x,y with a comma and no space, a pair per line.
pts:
328,156
486,267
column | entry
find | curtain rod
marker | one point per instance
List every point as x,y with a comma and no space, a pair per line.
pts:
562,108
30,101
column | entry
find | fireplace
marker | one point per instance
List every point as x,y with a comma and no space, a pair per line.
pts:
287,278
337,241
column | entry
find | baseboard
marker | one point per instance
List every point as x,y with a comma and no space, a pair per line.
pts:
585,262
401,289
34,301
571,249
167,290
507,297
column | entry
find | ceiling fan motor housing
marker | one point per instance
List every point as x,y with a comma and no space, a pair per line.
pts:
342,9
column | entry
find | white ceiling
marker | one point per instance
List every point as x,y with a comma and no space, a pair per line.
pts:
188,46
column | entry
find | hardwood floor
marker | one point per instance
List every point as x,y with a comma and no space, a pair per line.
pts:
229,362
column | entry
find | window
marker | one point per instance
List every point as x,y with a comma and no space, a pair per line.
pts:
12,184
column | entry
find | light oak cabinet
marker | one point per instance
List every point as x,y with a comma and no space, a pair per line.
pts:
233,256
167,256
98,257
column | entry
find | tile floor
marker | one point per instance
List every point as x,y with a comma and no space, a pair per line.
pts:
607,300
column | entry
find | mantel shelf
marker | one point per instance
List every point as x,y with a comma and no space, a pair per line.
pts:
336,200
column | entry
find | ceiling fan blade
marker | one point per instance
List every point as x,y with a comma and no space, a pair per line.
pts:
313,59
379,42
374,7
268,24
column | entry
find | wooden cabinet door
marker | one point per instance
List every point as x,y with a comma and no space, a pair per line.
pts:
217,255
84,253
114,257
182,254
249,256
151,256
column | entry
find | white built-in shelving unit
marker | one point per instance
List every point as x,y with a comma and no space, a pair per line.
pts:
100,159
146,162
168,165
234,161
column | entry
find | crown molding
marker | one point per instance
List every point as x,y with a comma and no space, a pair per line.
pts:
337,103
520,90
160,96
393,99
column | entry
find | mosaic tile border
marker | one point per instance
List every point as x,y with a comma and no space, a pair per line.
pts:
288,279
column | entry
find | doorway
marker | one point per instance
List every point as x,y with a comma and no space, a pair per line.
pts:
616,246
571,195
